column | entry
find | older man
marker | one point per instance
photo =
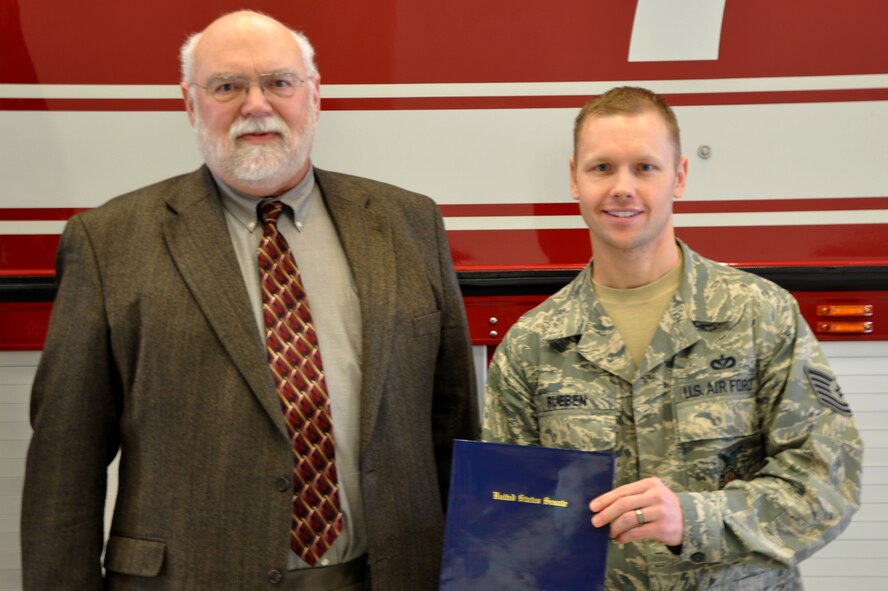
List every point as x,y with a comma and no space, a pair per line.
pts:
279,353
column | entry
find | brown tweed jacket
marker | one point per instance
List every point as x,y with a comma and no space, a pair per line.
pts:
153,350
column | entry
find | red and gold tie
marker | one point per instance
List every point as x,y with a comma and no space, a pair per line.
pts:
295,362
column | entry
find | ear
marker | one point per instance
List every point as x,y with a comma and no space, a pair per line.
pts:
681,178
316,92
574,191
189,102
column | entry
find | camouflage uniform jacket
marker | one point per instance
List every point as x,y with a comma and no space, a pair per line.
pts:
734,407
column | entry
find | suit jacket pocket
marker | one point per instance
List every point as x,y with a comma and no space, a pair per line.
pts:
427,324
134,556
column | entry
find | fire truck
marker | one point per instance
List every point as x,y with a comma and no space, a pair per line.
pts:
783,107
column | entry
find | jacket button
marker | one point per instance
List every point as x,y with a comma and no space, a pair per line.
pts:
698,557
275,576
282,483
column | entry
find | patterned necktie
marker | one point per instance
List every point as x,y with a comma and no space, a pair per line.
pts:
295,362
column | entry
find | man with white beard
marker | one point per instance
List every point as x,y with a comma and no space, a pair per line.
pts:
279,353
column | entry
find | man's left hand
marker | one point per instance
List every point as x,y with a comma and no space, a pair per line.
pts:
642,510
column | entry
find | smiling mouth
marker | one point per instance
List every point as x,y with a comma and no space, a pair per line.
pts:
623,214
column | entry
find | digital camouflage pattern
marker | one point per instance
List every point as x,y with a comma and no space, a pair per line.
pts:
734,407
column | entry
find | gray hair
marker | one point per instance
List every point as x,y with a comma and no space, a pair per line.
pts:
186,53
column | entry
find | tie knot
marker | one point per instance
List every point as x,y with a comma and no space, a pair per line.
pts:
270,210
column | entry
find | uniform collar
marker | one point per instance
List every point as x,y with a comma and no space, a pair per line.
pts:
579,311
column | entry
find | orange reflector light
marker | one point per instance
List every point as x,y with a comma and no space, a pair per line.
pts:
845,310
845,327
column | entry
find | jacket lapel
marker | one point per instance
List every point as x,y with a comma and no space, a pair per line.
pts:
198,240
367,242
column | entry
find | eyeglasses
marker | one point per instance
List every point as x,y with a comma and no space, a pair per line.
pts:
227,88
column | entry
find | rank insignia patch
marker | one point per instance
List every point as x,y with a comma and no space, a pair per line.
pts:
828,391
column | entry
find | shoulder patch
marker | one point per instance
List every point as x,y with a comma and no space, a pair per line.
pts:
827,389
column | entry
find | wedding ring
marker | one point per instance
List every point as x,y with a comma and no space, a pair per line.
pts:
639,516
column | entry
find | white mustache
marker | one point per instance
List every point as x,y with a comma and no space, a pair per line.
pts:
243,126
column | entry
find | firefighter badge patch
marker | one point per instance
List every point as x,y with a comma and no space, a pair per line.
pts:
827,389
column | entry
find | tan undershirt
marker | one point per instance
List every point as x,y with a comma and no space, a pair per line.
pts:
636,312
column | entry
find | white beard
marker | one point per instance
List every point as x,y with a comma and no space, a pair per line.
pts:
261,168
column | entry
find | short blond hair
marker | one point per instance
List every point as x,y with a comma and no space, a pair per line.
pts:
628,100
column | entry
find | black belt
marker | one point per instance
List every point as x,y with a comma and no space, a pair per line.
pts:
329,578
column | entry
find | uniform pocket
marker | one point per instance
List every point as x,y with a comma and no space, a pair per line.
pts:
134,556
716,418
720,440
579,429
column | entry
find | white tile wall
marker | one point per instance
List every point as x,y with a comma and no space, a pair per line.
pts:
857,560
16,374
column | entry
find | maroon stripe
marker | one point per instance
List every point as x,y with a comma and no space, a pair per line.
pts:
774,205
38,213
63,43
569,248
484,250
24,325
91,104
728,206
28,254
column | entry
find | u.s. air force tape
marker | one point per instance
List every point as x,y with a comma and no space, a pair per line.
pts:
828,391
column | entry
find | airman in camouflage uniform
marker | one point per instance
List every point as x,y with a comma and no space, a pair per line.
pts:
733,409
734,406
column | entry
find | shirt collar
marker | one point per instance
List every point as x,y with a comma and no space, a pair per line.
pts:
243,207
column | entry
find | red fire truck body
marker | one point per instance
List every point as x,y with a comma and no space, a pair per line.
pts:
783,107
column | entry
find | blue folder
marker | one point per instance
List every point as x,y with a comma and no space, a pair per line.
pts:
518,518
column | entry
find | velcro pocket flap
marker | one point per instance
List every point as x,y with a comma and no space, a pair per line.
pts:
716,418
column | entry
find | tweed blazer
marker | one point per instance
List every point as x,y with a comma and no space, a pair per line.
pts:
153,350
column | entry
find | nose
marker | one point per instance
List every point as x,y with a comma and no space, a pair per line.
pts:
255,104
624,183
